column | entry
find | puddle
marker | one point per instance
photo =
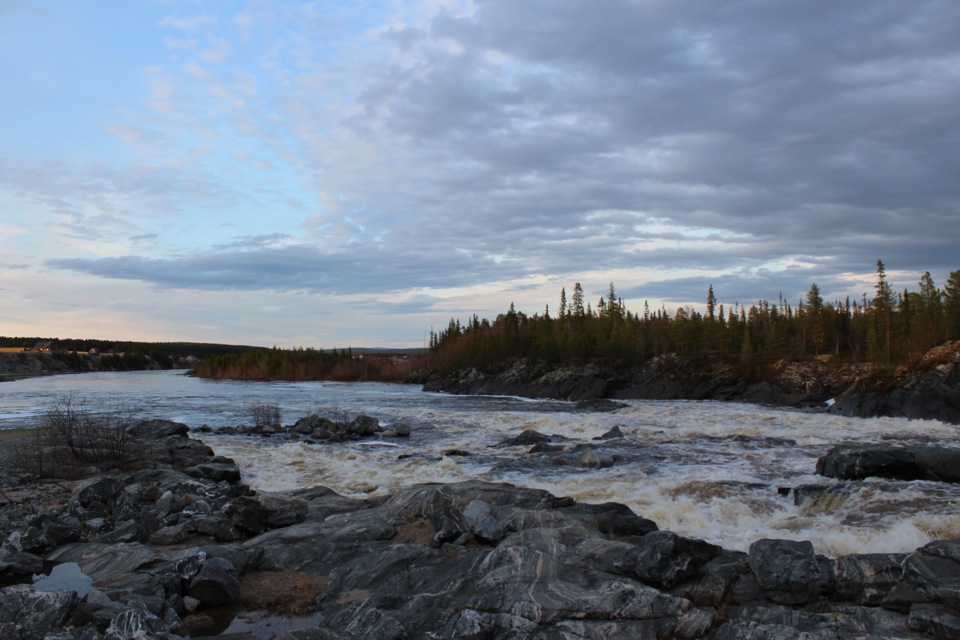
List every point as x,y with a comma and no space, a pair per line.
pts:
259,624
65,576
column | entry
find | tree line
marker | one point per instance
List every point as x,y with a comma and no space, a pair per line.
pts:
891,327
303,364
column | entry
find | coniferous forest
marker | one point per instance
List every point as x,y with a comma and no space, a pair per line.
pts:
888,328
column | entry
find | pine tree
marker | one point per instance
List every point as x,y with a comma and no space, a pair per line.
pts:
883,315
563,302
951,305
711,303
577,302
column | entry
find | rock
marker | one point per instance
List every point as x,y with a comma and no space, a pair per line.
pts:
38,611
216,583
788,571
613,433
545,447
931,574
482,523
397,431
266,511
217,471
600,405
882,461
18,563
526,438
936,620
364,426
665,559
590,459
170,535
157,429
868,578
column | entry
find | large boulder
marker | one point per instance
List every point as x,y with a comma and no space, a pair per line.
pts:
855,462
788,571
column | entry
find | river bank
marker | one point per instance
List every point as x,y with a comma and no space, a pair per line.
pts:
175,545
930,390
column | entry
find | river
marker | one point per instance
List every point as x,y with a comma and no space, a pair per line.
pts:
718,471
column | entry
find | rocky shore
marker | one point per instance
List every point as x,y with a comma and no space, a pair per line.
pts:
172,545
928,390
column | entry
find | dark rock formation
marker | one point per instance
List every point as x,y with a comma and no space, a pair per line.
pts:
318,428
856,462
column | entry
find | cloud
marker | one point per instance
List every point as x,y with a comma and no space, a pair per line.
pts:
359,270
389,149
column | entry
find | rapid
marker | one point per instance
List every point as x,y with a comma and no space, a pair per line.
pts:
723,472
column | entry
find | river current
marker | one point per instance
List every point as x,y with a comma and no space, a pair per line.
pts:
723,472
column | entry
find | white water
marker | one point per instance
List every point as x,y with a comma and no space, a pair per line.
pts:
703,469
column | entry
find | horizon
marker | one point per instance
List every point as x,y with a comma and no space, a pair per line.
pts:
288,174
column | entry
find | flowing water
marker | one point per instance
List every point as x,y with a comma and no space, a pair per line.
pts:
723,472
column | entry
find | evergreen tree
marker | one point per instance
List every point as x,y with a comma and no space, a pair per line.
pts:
711,303
577,302
883,304
951,305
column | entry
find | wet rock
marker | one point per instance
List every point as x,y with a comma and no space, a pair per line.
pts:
600,405
397,431
613,433
526,438
788,571
901,463
590,459
545,447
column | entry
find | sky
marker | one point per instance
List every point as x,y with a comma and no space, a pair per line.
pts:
333,173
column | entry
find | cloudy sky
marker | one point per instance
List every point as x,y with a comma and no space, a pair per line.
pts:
336,173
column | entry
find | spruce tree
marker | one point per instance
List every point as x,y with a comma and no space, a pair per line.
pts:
951,305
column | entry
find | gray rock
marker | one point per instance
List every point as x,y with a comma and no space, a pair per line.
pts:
936,620
38,611
216,583
666,559
158,429
788,571
482,523
590,459
896,462
17,563
868,578
931,574
612,434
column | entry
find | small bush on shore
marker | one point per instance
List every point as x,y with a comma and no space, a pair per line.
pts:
265,415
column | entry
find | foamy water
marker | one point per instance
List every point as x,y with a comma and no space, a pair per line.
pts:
718,471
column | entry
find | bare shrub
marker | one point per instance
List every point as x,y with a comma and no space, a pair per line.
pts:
91,436
265,415
68,436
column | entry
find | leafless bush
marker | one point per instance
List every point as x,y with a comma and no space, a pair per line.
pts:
91,436
68,435
265,415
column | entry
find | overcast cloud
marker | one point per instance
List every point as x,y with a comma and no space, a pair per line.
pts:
390,166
